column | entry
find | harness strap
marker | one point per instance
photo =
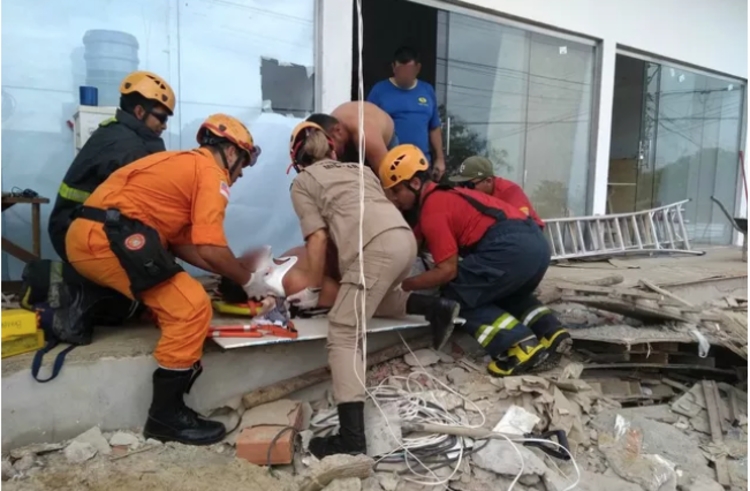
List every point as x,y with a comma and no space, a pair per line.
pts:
498,215
110,216
494,213
36,363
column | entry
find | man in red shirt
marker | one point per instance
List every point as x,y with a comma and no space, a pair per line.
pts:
489,256
476,173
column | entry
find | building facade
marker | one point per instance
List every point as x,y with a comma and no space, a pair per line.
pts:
592,106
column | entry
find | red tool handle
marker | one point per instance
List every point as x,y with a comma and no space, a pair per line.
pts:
234,334
238,327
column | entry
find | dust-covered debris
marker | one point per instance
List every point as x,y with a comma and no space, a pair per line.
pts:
124,439
457,375
24,463
170,466
335,467
632,426
422,357
502,457
388,481
371,484
95,438
79,452
8,471
382,429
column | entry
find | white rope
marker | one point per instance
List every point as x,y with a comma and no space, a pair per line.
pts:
410,405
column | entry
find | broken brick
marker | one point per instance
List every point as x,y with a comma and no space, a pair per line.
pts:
253,445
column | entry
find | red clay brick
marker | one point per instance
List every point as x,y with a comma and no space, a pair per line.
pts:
253,444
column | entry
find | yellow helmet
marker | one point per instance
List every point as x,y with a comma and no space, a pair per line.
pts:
224,127
400,164
297,140
150,86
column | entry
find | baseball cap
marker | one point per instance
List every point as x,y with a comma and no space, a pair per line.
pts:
475,167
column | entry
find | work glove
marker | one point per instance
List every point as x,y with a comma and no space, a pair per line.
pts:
305,299
256,287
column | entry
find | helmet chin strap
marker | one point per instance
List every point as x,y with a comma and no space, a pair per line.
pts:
226,164
412,216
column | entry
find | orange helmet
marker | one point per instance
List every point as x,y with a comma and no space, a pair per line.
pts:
218,127
297,140
400,164
150,86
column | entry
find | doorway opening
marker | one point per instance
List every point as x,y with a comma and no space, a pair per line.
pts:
675,136
388,25
524,100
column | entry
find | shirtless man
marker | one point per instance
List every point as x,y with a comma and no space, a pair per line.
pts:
343,128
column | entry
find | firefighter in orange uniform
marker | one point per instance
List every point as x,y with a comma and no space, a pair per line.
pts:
127,235
477,173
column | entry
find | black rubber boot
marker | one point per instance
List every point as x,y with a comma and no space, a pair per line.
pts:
441,313
169,419
351,437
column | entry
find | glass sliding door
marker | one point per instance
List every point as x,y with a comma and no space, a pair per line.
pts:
690,144
523,99
646,172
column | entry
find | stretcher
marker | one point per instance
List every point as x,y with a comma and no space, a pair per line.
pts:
309,329
253,331
306,330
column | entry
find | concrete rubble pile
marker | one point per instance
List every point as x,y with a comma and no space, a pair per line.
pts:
652,448
652,399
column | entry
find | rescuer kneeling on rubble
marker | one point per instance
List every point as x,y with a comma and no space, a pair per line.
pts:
326,198
125,235
489,257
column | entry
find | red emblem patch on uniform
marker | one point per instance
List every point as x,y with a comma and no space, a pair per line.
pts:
135,242
224,189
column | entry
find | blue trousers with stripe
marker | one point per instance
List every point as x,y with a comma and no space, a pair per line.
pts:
495,286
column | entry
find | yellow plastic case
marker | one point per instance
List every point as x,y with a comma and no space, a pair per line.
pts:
18,322
22,344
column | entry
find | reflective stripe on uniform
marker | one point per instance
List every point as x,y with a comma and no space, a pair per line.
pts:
487,332
72,194
535,314
108,121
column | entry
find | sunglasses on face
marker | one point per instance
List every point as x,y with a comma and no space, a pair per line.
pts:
470,184
160,117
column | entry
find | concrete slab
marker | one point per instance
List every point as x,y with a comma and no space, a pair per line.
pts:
109,382
660,270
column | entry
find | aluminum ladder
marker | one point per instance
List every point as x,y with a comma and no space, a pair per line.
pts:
655,231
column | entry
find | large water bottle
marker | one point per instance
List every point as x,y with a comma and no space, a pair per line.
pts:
110,56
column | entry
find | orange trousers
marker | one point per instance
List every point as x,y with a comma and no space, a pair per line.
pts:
181,306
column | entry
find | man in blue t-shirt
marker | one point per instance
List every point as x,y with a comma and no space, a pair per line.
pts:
412,105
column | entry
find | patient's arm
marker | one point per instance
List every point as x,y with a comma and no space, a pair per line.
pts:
298,279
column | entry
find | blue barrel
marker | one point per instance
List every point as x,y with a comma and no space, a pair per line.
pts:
110,56
88,96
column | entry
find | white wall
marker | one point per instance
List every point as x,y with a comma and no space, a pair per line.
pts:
709,34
